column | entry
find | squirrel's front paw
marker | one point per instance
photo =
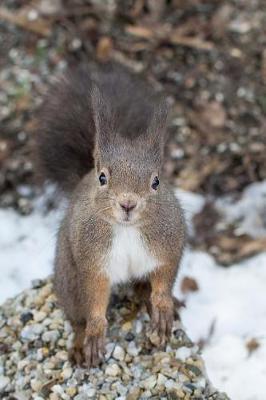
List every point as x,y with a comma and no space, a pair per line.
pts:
94,343
76,355
162,316
94,350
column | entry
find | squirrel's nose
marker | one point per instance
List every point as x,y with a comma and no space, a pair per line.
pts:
128,205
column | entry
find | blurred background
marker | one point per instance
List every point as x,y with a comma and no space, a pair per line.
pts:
209,57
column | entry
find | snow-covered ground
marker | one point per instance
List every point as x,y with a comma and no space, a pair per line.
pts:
232,301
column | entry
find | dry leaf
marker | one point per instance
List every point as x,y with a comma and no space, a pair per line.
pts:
140,31
104,48
252,345
189,285
191,41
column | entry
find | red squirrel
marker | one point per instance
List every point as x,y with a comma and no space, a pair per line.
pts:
102,133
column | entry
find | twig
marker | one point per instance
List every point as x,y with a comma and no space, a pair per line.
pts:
191,42
170,37
38,27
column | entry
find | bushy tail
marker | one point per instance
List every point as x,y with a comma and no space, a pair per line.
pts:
65,136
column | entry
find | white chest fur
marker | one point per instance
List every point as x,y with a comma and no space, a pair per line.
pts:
129,257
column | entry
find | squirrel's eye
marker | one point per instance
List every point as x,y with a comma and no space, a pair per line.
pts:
103,179
155,183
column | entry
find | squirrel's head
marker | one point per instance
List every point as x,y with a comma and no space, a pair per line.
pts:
128,159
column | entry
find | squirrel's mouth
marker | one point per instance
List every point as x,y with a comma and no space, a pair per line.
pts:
127,218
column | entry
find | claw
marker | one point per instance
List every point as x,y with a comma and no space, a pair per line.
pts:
94,350
162,321
76,356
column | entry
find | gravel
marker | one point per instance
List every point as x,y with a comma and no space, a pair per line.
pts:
34,356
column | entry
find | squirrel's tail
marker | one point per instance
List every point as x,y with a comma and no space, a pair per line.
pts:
65,137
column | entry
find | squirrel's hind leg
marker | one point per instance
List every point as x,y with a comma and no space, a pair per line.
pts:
143,292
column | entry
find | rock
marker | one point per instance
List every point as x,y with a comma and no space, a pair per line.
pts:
109,350
119,353
127,326
31,332
132,350
81,396
130,336
34,357
183,353
26,317
36,385
154,338
91,393
134,394
149,383
161,379
71,391
50,336
39,316
66,373
62,355
54,396
4,381
113,370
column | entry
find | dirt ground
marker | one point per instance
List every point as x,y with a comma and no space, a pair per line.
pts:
209,57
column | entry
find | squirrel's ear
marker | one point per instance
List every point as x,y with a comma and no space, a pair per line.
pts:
102,118
159,123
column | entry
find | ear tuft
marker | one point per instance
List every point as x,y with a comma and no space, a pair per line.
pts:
159,118
101,112
158,125
103,121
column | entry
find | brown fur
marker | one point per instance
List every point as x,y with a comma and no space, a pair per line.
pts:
127,130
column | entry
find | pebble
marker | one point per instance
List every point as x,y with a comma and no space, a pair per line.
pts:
183,353
71,391
58,389
62,355
50,336
35,362
66,373
138,327
39,316
149,383
113,370
54,396
132,350
134,394
109,350
31,332
161,379
127,326
81,396
154,338
26,317
119,353
36,385
129,336
4,381
91,392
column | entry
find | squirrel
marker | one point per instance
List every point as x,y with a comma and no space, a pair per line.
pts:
102,133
